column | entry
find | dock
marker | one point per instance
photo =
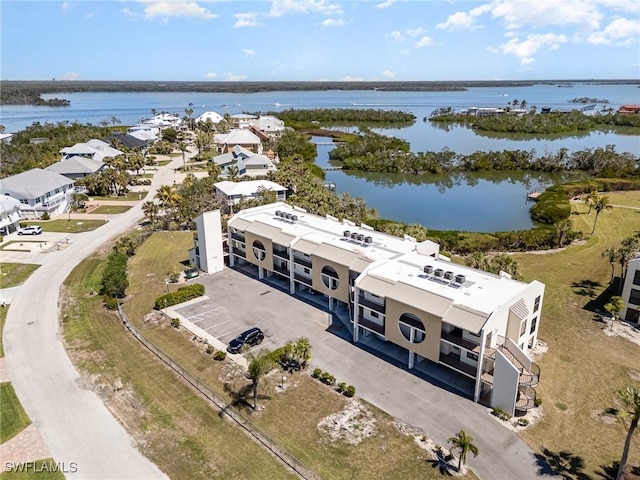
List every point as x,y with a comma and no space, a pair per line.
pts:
533,196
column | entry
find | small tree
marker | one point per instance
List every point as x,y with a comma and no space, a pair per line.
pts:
614,306
259,365
463,442
602,203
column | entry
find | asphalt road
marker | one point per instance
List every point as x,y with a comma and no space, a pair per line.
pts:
76,425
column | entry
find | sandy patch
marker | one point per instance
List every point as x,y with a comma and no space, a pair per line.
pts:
603,417
351,425
624,330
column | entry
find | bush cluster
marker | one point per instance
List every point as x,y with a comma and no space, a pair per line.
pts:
114,279
328,379
181,295
500,413
552,206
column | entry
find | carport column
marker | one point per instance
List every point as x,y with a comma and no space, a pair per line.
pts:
331,304
412,356
356,318
292,281
261,273
476,392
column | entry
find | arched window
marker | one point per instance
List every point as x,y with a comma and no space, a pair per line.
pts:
412,328
330,277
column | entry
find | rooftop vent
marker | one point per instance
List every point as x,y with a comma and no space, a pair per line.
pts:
439,272
448,275
368,239
347,233
428,269
460,279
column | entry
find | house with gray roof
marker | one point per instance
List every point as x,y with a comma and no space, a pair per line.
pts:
249,163
237,137
9,214
38,191
96,149
77,167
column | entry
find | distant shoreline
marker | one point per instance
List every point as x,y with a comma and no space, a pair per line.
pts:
20,91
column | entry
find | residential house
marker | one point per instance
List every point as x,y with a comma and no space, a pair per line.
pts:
77,167
237,137
628,109
39,192
400,296
272,126
233,193
162,121
132,142
485,111
207,253
6,137
96,149
212,117
9,214
242,120
631,292
249,164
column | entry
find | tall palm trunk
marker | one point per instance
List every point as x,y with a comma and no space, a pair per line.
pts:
627,447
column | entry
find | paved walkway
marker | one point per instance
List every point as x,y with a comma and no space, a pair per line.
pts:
75,423
27,446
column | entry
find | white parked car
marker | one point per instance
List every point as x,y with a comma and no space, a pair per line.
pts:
30,230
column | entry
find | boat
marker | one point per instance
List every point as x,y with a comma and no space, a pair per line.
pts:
277,104
224,105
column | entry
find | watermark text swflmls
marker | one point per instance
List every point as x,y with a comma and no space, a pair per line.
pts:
39,467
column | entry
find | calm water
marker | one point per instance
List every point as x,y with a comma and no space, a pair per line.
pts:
478,202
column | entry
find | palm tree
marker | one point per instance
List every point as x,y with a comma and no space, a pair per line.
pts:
183,149
631,398
259,365
479,261
232,173
463,442
78,200
150,210
591,199
611,254
602,203
563,227
213,169
302,349
168,196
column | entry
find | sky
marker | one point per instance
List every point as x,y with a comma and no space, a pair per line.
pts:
319,40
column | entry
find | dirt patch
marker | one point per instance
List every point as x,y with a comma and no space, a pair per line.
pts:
603,416
351,425
624,330
154,318
539,350
634,374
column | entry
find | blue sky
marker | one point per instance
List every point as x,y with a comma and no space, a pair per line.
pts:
313,40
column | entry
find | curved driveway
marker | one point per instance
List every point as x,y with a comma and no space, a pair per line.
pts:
75,423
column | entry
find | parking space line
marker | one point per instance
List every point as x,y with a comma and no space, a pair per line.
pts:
216,325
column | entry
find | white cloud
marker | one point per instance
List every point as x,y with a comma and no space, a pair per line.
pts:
130,13
349,78
388,74
176,8
70,76
620,31
541,13
526,49
409,32
89,15
458,21
415,32
425,42
66,6
322,7
333,22
397,36
232,77
386,4
246,20
248,53
210,75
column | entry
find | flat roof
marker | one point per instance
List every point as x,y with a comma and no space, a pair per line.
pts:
247,188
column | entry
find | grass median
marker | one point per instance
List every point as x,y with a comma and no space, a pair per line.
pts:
63,225
583,367
13,274
13,418
110,209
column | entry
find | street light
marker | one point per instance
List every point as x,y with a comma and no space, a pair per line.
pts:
283,380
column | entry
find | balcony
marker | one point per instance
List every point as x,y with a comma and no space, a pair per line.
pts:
455,363
527,378
302,279
238,236
282,270
459,341
373,326
281,254
364,302
302,261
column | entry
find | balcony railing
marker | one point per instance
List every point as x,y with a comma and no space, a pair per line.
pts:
302,261
526,399
238,236
453,362
377,328
302,279
283,270
528,378
365,302
459,341
280,254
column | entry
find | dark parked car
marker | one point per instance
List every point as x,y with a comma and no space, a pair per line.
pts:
253,336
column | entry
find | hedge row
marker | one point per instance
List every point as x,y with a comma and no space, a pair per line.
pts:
181,295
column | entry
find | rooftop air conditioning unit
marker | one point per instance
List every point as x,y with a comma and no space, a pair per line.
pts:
294,218
448,275
428,269
439,272
347,234
368,239
278,213
354,236
360,237
460,279
288,216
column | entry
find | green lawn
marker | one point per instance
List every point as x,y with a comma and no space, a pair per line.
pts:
67,226
3,316
127,197
38,470
12,274
583,366
13,418
111,209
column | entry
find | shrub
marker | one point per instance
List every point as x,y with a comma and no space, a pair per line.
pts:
220,355
538,401
342,386
501,414
552,206
45,216
114,277
175,322
209,349
327,378
316,373
278,355
350,391
181,295
523,422
110,303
